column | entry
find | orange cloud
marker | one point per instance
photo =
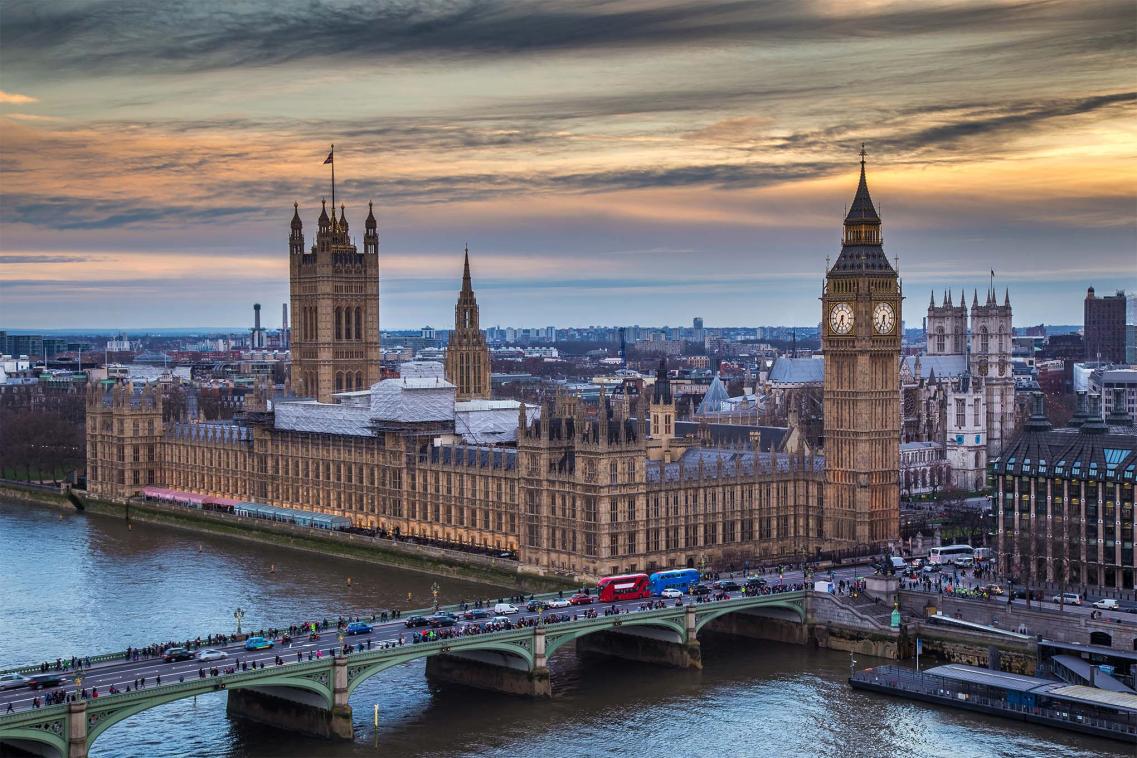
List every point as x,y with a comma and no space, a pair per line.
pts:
14,98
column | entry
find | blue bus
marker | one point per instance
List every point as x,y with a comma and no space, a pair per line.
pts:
680,579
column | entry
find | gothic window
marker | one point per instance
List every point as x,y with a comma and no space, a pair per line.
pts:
960,413
339,375
939,339
359,380
984,340
347,323
975,420
358,323
339,329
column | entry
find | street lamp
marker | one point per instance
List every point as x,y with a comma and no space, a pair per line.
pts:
434,591
239,614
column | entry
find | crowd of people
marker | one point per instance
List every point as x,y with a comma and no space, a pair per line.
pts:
315,626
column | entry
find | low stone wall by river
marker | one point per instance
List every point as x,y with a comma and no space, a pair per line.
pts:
413,557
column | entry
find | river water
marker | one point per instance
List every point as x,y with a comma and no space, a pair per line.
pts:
71,583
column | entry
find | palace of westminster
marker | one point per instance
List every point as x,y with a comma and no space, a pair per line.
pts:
568,485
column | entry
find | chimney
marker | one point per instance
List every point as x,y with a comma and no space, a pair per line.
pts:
1118,416
1094,424
257,316
1079,416
1038,421
284,317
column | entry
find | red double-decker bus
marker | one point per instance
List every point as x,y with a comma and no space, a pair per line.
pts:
612,589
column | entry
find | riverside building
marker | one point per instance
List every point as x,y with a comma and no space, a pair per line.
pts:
592,489
1064,499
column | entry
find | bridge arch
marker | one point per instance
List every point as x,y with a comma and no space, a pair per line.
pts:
556,638
359,673
101,719
48,733
794,609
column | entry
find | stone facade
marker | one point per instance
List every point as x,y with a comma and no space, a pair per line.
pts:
467,355
335,307
861,325
590,490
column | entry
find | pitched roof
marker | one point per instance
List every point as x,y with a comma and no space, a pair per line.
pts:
943,366
715,397
856,259
798,370
862,208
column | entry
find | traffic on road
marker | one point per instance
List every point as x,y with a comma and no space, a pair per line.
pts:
216,655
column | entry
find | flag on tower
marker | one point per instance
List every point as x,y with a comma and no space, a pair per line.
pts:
329,158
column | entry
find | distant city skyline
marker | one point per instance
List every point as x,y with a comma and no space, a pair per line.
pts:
618,164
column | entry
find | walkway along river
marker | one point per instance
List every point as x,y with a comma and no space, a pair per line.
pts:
74,583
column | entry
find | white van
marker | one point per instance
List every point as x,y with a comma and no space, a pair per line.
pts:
1067,598
1106,604
898,563
504,609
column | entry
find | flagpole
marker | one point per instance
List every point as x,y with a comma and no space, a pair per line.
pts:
333,155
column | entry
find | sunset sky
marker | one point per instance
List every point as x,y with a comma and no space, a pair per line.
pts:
608,163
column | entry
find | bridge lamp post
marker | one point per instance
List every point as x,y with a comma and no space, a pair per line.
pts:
434,592
239,614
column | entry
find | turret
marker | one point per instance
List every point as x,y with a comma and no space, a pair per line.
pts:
296,236
324,223
371,233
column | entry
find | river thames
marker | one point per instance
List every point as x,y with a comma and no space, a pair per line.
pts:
77,584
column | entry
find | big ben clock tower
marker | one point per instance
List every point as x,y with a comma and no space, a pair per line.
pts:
860,337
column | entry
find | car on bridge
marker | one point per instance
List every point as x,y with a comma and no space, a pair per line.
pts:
505,609
476,614
671,593
700,589
40,681
559,602
212,655
258,643
727,585
359,627
536,605
581,599
177,654
442,619
413,621
13,680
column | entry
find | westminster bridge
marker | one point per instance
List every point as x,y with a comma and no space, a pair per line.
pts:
291,688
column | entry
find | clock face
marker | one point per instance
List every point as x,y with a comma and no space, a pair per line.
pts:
883,319
841,319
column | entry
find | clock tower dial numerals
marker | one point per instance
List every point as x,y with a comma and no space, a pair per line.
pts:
841,319
883,318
